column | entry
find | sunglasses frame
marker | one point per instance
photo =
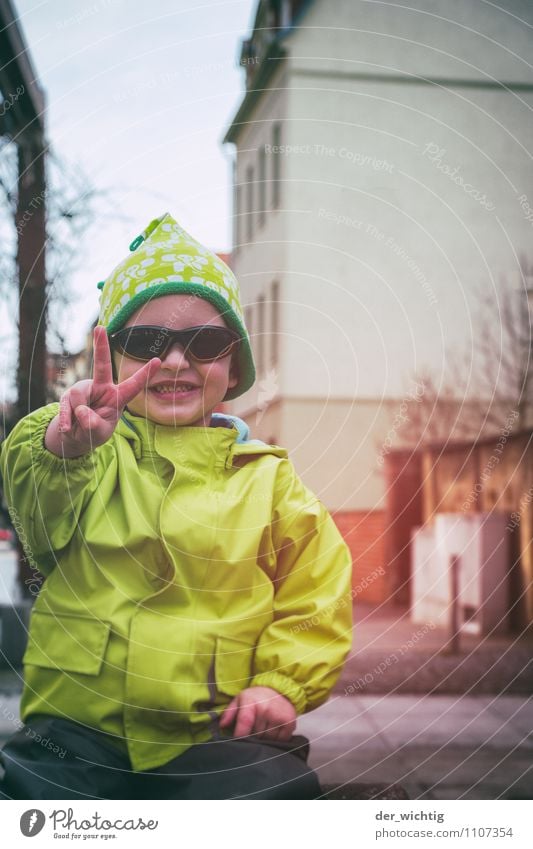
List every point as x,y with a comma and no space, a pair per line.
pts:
170,337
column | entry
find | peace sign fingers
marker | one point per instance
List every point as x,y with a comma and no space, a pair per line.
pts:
102,368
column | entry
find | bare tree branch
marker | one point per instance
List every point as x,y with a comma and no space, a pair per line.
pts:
477,392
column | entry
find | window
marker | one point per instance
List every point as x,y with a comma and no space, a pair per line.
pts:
250,201
274,323
276,166
262,185
261,334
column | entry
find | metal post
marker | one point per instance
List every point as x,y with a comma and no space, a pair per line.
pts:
454,644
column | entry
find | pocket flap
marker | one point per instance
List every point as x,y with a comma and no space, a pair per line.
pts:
67,642
233,665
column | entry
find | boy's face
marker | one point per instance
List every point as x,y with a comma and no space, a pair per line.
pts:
211,381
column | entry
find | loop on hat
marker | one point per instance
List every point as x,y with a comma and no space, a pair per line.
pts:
138,240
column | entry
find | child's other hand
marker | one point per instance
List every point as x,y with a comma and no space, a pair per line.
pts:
262,711
90,409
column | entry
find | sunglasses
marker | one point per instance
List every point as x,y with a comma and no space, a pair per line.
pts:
205,343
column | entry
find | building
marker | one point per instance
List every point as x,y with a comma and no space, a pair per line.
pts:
486,479
381,181
62,370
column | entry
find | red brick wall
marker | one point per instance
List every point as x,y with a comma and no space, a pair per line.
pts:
364,533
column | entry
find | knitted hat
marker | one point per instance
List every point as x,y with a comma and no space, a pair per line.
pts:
167,261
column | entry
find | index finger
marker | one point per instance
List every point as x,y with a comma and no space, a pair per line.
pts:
102,368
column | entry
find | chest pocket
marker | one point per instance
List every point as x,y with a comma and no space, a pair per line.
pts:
67,642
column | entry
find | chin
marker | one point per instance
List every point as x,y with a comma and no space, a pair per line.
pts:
178,418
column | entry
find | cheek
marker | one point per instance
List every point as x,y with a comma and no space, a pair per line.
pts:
124,368
219,372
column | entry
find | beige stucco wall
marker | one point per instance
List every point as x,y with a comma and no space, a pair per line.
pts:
335,444
378,251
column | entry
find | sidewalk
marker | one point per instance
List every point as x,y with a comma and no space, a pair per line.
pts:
391,654
442,726
435,747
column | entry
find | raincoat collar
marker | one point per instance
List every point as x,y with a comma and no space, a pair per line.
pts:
229,433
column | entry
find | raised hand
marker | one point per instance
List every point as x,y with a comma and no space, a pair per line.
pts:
89,411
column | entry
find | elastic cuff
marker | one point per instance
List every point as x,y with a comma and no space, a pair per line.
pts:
48,458
284,685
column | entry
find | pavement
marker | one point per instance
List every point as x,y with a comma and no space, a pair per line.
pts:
393,655
405,711
442,725
435,747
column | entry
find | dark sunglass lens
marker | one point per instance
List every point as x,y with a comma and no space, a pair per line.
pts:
140,343
209,343
204,343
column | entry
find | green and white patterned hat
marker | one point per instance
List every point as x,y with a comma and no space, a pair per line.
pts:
166,260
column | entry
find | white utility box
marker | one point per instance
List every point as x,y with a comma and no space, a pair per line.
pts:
481,542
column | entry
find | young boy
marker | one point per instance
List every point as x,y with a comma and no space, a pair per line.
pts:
197,593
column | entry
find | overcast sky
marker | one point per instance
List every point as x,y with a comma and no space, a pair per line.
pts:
139,95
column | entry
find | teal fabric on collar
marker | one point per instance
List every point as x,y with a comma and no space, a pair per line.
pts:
225,420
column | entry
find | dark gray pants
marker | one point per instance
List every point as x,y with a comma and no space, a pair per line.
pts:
92,768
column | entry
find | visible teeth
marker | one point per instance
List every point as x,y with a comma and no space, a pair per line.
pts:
171,389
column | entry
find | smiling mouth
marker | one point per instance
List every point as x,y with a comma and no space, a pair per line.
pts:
173,389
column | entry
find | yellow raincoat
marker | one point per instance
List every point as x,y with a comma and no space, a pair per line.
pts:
182,565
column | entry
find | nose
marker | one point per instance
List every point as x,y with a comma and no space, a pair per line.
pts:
175,358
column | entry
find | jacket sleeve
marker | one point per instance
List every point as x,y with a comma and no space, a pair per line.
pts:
302,651
45,494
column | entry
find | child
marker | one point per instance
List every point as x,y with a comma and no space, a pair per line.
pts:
197,593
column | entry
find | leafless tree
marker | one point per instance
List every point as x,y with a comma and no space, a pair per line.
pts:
68,199
478,393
